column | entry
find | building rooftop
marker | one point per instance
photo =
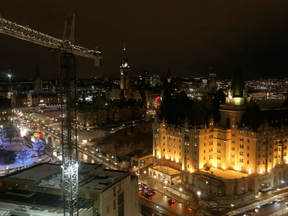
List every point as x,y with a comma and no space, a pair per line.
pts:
226,174
37,172
90,176
167,170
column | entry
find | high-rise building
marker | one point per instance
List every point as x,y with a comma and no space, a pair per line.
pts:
125,75
231,156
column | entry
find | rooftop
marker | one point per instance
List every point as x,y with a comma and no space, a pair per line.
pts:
90,176
225,174
167,170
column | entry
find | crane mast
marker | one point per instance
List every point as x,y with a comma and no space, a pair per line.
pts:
68,96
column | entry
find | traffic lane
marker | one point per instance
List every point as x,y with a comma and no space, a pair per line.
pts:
163,200
82,157
263,211
150,208
159,187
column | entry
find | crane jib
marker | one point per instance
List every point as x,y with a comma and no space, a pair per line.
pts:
25,33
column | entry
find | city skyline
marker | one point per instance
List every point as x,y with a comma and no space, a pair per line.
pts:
186,38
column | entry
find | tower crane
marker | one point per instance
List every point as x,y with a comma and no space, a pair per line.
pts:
67,51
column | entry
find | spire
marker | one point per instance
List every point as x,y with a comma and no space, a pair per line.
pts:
238,83
169,76
37,72
124,54
125,59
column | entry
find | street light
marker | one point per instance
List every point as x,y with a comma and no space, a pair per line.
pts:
180,192
199,195
278,189
155,178
232,205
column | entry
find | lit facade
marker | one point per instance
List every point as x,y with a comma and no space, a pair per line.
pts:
257,158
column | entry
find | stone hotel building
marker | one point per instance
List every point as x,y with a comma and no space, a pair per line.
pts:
230,150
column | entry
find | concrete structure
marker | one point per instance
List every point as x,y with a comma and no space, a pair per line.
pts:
101,192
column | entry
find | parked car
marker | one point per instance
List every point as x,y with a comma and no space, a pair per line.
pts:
172,201
144,186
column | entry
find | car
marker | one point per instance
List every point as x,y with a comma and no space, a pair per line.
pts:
144,186
148,194
153,191
192,208
281,200
140,188
2,148
275,201
286,203
172,201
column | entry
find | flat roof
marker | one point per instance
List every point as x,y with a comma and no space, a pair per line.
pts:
37,172
166,170
90,176
226,174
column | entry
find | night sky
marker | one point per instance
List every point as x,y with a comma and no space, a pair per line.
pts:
186,37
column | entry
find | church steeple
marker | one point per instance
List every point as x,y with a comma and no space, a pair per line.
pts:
37,72
37,79
125,59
